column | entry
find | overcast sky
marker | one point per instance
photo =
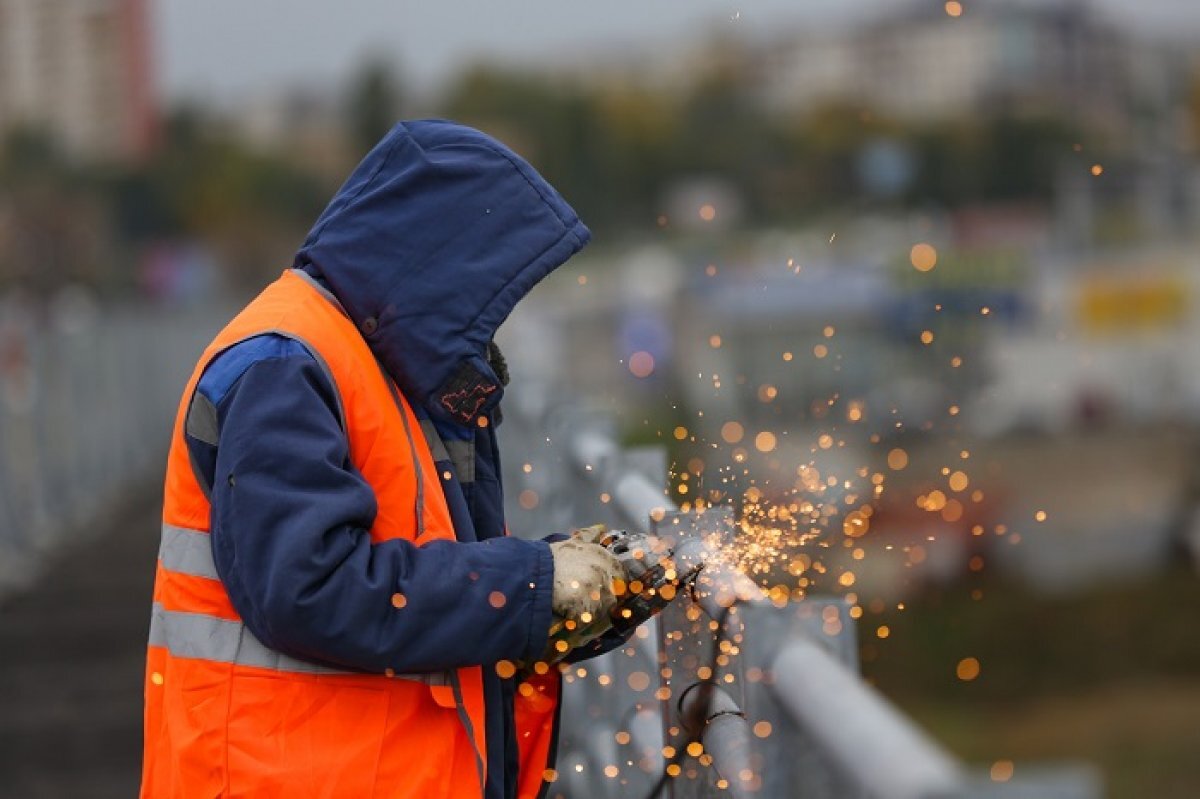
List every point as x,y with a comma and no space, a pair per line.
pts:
224,48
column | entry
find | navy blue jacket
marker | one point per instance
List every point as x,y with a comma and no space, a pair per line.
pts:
433,239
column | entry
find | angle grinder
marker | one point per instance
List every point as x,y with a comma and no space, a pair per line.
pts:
653,578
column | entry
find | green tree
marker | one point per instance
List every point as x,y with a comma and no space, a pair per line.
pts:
373,103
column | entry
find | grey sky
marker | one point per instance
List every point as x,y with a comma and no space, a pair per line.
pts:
225,48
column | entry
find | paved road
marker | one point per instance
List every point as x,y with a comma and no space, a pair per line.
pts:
71,660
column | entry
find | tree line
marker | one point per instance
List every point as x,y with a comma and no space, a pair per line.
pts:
615,150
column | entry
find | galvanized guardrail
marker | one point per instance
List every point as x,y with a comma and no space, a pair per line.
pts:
726,694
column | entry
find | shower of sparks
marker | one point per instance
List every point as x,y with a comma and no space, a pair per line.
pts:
808,517
779,539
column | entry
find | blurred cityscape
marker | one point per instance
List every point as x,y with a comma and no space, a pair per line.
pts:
921,292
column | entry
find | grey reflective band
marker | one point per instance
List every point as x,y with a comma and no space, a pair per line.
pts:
324,292
204,637
202,420
462,455
412,447
434,441
187,551
465,718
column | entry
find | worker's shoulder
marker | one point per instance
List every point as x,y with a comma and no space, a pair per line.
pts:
228,367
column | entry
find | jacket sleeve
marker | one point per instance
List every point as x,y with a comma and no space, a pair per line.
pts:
290,516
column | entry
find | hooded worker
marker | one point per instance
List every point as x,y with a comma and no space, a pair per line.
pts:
338,609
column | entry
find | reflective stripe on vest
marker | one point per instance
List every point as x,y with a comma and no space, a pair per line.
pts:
204,637
461,454
187,552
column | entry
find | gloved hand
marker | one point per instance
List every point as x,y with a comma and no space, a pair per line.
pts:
592,534
583,575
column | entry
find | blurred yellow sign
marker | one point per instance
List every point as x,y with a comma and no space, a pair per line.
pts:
1129,303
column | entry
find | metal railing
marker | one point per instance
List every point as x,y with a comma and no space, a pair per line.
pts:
87,399
726,693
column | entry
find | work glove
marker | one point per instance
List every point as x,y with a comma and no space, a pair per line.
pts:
592,534
584,573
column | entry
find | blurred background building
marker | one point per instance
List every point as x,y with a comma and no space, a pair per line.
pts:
81,73
924,276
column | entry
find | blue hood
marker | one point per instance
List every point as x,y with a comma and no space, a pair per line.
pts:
430,243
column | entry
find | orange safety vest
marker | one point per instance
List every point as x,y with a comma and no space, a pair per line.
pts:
228,717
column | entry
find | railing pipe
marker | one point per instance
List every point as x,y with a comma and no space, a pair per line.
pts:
645,740
712,717
594,452
639,500
857,729
719,586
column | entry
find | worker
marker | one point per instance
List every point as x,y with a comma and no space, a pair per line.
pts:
338,609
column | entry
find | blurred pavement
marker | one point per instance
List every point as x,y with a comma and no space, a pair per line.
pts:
72,653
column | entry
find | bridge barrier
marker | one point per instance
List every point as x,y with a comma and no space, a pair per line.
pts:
726,693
